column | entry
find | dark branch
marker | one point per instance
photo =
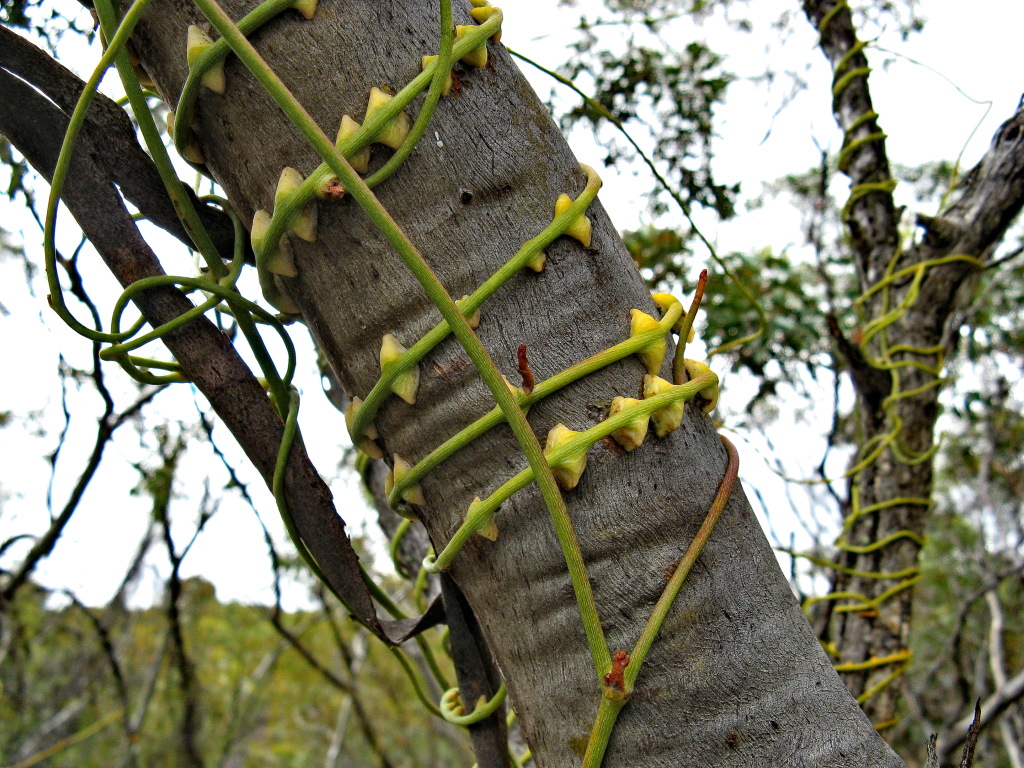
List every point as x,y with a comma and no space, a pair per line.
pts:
477,676
205,354
108,138
991,708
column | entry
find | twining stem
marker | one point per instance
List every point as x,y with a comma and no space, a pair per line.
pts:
684,207
307,190
421,348
615,698
215,53
63,166
682,570
580,442
225,276
151,135
546,388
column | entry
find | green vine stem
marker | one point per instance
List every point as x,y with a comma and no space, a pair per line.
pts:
480,514
417,684
223,289
673,311
182,203
362,194
453,709
151,136
682,204
529,250
396,612
617,676
215,55
292,205
62,168
439,77
617,689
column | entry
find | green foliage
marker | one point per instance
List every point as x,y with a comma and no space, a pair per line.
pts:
44,20
994,325
670,94
261,702
791,292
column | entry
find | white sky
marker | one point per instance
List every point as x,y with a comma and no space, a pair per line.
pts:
926,119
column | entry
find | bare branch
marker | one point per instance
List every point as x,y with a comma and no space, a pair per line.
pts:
991,708
109,139
106,426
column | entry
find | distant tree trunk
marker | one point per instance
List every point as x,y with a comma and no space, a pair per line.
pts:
897,370
737,677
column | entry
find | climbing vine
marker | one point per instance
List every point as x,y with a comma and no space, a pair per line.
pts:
878,311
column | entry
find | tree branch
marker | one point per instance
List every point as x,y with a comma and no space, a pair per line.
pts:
872,218
991,708
108,137
206,355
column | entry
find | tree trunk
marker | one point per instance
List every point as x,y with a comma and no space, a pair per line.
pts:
912,295
736,676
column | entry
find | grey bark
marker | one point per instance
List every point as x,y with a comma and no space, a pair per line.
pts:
737,677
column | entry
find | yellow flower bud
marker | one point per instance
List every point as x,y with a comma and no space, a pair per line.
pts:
394,133
414,493
304,224
476,57
365,444
667,419
710,392
568,470
144,79
474,319
283,300
190,151
406,384
653,353
488,529
517,392
360,161
306,7
280,259
538,262
664,300
633,434
580,228
425,62
482,13
199,41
